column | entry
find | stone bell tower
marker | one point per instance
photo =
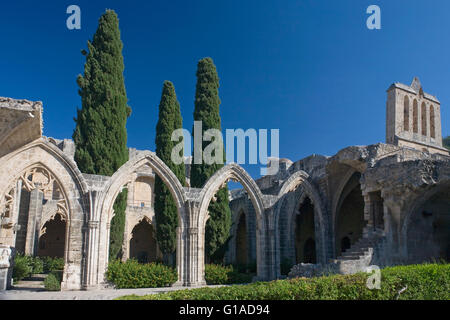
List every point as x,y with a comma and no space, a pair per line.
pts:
413,118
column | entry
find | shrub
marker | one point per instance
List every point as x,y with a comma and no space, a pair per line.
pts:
426,282
131,274
218,274
53,282
37,265
22,267
52,264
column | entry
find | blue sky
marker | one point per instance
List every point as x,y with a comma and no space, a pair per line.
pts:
310,68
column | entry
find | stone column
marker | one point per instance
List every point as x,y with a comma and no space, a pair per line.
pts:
92,245
6,266
393,206
191,248
34,212
373,212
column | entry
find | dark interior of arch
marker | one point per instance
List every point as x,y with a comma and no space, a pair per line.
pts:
241,241
350,215
305,245
143,246
428,230
52,242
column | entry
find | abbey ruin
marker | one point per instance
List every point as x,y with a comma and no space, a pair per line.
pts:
380,204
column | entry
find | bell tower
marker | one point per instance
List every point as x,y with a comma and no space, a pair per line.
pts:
413,118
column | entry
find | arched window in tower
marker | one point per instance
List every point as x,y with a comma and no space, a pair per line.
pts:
432,122
424,119
415,117
406,114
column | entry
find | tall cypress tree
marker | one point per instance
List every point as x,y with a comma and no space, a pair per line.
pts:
100,135
207,104
166,214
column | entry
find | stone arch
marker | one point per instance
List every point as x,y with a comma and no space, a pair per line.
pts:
42,153
352,189
236,173
338,193
419,209
124,175
104,208
300,181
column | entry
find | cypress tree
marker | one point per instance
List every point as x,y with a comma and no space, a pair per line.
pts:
166,214
207,104
100,135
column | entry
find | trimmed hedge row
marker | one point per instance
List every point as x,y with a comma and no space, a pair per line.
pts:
414,282
132,274
218,274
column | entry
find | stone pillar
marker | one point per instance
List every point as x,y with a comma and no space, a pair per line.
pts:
393,207
92,255
373,212
92,238
191,248
6,266
34,212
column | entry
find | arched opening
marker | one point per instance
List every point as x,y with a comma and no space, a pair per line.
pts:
143,246
406,114
350,214
213,212
428,233
415,117
432,123
241,241
424,118
52,239
305,233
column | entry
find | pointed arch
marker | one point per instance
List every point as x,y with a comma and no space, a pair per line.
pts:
300,182
235,173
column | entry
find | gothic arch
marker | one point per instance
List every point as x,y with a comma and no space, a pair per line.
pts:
43,154
236,173
418,200
124,175
300,180
104,205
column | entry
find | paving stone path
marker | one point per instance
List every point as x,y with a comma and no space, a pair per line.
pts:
105,294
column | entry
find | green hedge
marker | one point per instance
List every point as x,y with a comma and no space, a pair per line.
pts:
422,282
53,281
218,274
131,274
25,266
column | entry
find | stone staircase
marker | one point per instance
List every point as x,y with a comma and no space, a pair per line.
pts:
361,254
33,283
